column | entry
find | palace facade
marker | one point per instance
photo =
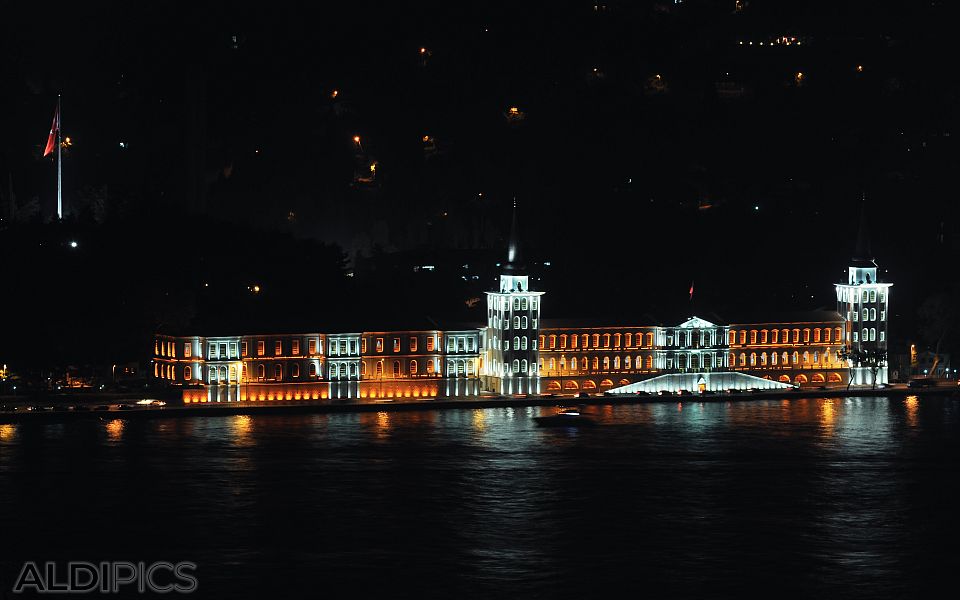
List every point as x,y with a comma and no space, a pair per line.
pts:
516,352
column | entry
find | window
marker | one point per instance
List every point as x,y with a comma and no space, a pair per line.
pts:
866,315
278,348
733,337
773,358
873,314
523,343
595,363
396,368
312,370
816,357
430,365
261,372
363,345
516,342
881,335
353,346
516,366
796,336
573,363
260,349
187,373
606,340
753,336
856,337
516,322
379,344
430,344
596,340
627,362
616,362
816,335
295,370
295,348
743,359
873,334
628,340
334,371
553,341
278,372
764,336
763,359
396,344
743,337
806,336
806,358
584,341
753,359
187,350
616,340
413,367
311,346
523,322
649,360
606,363
785,358
553,364
785,336
212,351
796,357
413,343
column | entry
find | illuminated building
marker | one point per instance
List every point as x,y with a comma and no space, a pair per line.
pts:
517,353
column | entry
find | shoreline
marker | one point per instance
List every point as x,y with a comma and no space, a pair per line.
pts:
301,407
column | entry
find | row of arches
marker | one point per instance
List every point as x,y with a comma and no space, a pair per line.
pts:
802,378
572,385
806,335
596,363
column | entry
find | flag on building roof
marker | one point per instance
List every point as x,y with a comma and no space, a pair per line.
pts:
54,130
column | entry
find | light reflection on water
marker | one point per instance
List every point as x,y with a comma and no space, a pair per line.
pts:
843,496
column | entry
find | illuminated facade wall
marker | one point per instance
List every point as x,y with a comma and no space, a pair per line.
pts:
513,327
864,305
796,352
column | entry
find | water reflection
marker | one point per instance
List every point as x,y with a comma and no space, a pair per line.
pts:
912,404
241,425
115,429
7,432
828,416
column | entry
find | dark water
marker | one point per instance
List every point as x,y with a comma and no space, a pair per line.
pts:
801,498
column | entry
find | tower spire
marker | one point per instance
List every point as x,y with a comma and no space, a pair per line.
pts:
514,256
862,253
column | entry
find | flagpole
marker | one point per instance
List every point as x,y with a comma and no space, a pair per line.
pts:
59,193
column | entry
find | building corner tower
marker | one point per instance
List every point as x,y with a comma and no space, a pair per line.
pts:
864,305
511,365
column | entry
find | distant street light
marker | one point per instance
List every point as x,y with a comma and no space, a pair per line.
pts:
73,244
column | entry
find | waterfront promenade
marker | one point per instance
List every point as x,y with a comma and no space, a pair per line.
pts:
64,410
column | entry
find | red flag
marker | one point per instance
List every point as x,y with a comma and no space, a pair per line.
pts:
54,132
691,290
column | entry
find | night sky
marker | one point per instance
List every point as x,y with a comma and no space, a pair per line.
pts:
654,149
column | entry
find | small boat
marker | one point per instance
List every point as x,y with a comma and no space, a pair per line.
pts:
568,417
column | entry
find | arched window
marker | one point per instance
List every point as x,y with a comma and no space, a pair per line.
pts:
553,341
628,340
553,364
563,363
516,342
516,322
773,358
732,359
873,334
816,357
733,337
796,357
743,359
606,340
753,359
596,340
650,339
523,304
516,304
753,336
583,363
856,336
806,358
278,372
616,362
681,361
516,366
785,336
523,343
294,370
312,370
187,373
649,361
776,336
627,362
573,363
378,370
826,334
606,363
584,341
865,315
743,337
786,358
261,372
806,336
816,335
523,322
396,368
763,359
573,340
413,367
596,363
523,366
563,340
873,314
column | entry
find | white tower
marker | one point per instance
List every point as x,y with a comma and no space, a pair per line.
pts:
512,358
864,304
